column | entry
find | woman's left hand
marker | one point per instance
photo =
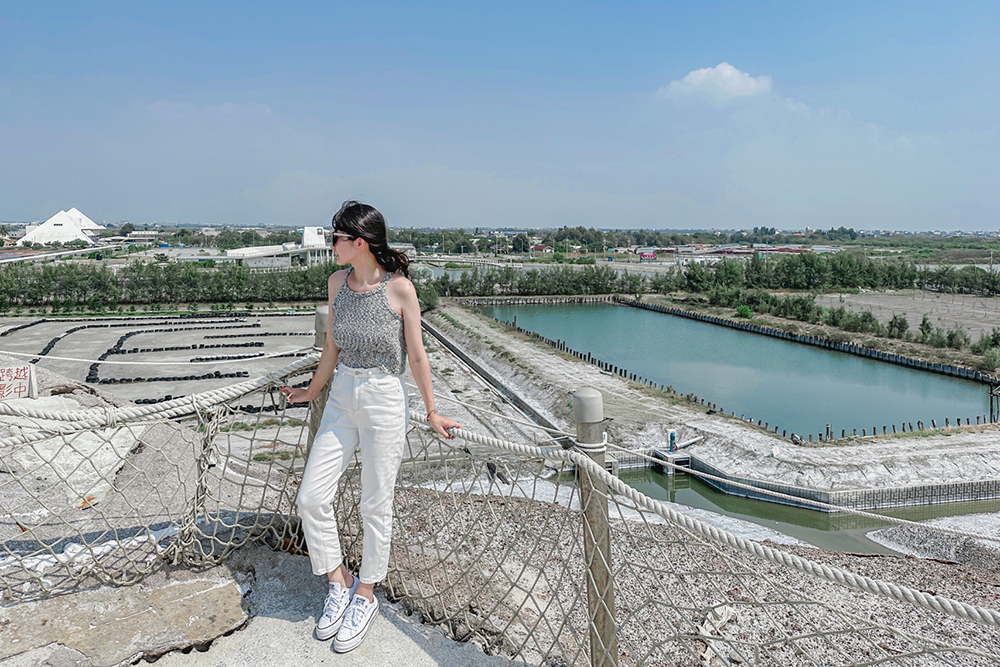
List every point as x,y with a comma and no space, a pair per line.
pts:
440,423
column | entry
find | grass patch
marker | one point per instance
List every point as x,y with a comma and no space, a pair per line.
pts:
283,455
274,421
236,426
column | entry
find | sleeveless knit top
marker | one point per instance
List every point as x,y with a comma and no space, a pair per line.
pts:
367,330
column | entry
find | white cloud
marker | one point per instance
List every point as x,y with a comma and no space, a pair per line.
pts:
717,85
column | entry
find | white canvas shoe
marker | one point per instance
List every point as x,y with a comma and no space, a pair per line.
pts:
337,602
357,619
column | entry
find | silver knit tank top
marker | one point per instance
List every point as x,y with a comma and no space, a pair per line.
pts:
367,330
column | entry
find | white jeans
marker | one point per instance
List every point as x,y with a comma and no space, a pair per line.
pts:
367,408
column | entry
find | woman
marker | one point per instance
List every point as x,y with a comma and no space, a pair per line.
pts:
374,326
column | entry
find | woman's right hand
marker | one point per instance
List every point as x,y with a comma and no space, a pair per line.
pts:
294,395
440,423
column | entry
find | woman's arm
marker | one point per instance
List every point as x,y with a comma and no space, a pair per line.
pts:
328,358
402,289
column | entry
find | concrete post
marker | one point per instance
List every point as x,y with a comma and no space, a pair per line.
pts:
588,413
317,404
322,326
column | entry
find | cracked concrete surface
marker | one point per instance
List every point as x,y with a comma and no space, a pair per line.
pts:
258,609
109,626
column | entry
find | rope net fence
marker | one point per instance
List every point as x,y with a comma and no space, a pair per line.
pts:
491,540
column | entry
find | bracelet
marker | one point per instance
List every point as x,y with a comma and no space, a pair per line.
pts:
431,413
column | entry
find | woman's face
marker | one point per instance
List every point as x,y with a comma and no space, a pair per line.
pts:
345,248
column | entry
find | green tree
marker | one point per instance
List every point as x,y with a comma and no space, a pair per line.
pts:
729,273
699,279
898,326
926,327
521,243
756,273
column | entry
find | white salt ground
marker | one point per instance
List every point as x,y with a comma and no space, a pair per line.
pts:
912,541
79,464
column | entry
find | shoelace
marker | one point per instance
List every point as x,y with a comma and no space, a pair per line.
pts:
356,612
332,602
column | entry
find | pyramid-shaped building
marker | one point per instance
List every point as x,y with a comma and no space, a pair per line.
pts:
64,226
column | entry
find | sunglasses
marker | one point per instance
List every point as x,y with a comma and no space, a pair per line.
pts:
342,235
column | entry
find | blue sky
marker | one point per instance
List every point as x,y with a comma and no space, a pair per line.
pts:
656,115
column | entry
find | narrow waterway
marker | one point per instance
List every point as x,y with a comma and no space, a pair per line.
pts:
798,388
838,532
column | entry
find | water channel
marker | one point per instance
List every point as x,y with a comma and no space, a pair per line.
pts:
839,532
797,387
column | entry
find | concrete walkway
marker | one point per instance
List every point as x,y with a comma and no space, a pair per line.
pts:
266,601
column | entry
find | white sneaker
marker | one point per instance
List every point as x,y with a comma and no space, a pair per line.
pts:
337,601
357,620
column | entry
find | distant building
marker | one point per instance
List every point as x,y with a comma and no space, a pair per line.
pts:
732,249
143,237
782,249
685,260
267,262
407,249
313,237
694,248
312,251
64,227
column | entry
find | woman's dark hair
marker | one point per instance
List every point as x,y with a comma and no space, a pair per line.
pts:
361,221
